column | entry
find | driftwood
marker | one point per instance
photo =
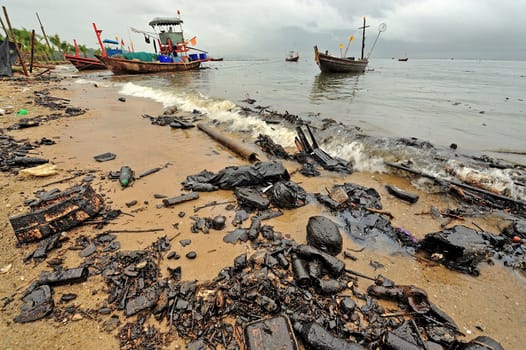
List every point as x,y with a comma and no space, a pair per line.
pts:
211,204
180,199
134,231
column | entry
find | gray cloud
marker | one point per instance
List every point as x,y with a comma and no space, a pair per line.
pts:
420,28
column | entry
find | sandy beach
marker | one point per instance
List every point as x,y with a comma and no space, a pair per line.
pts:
492,304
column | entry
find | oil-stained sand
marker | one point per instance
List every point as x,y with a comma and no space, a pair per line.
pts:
491,304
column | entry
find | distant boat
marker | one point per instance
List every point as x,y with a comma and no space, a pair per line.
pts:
292,57
403,59
333,64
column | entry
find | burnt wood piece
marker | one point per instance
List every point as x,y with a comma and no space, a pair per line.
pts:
334,265
401,194
57,214
37,305
68,276
180,199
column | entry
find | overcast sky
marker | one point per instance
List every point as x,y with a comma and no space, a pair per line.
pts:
480,29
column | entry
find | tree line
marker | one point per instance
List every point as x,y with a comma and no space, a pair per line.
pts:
42,51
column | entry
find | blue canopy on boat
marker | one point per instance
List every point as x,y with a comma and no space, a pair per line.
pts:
109,41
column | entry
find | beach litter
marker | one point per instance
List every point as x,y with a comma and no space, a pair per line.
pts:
40,171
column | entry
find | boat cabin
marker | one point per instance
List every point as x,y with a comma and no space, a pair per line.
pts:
170,31
112,47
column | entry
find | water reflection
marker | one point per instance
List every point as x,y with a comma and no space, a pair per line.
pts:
334,86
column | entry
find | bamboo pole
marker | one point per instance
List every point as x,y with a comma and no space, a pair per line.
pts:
20,57
5,29
44,33
32,51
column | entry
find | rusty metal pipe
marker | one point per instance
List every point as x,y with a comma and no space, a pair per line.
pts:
232,145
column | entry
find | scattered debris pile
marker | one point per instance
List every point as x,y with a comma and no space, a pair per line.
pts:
310,152
174,121
247,182
360,210
280,279
43,98
459,248
475,193
17,154
38,300
462,249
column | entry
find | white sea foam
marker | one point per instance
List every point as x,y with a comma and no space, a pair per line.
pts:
223,111
84,81
495,180
355,152
167,99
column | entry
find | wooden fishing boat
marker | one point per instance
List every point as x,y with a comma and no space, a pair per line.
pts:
292,57
404,59
85,63
120,65
173,55
333,64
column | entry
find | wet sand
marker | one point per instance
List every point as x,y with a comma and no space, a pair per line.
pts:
492,304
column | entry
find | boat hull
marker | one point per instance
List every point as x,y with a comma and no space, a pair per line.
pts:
85,63
292,59
125,66
331,64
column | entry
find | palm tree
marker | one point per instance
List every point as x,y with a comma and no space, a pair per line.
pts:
84,50
55,40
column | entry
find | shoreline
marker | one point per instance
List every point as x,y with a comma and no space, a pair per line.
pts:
114,126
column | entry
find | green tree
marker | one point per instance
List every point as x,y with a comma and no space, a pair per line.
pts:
84,50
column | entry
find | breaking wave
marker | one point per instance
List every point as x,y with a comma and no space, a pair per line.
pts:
224,111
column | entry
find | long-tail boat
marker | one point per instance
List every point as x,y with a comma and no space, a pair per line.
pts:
83,63
333,64
173,51
292,57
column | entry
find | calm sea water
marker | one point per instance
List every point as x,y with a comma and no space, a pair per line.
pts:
478,105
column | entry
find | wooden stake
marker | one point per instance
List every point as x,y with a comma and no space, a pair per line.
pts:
32,50
44,33
5,29
20,57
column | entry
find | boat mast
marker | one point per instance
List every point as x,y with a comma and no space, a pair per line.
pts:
180,24
363,36
98,32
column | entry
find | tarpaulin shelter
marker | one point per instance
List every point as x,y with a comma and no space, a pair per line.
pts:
8,58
